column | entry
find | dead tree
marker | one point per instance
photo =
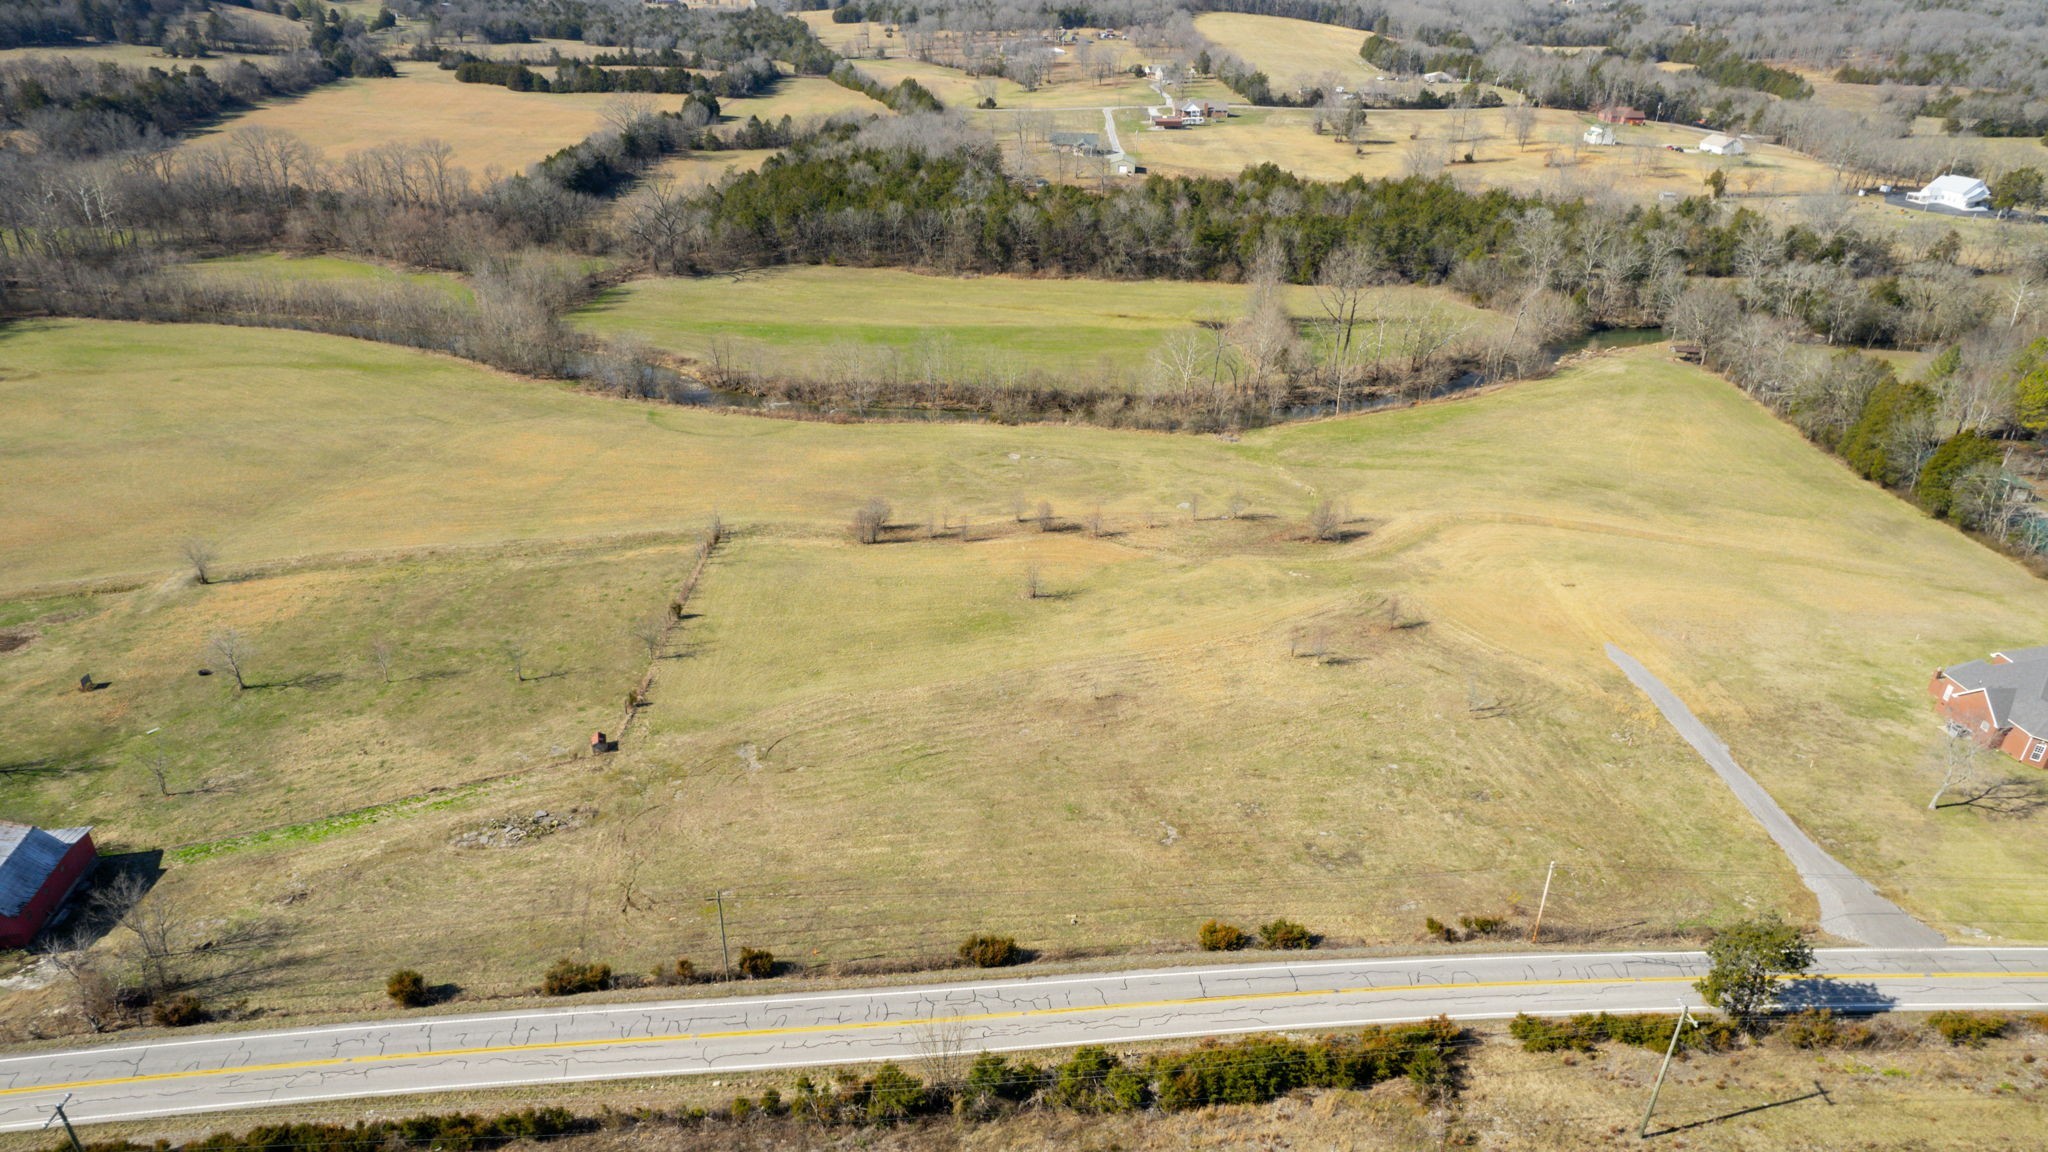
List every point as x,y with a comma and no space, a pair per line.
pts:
233,651
199,555
1034,587
515,658
1326,520
1045,520
650,633
382,654
155,920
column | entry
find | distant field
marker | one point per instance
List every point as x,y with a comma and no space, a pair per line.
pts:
487,126
701,168
1396,143
801,97
314,268
129,55
1290,52
881,749
798,320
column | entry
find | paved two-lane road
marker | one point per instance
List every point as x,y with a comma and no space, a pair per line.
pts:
191,1074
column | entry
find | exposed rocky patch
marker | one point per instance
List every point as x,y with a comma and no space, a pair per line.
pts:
512,831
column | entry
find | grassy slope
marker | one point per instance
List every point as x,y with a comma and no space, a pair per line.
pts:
792,319
882,748
487,126
1291,52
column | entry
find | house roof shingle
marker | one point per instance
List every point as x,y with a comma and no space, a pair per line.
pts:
2017,689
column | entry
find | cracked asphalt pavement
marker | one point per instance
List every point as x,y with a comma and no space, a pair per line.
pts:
174,1074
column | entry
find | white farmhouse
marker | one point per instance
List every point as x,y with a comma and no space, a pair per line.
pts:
1438,78
1962,193
1599,135
1719,145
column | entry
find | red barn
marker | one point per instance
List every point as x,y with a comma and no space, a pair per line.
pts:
38,869
2000,701
1623,114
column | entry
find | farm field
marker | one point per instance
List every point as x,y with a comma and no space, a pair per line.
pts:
799,320
313,269
801,98
487,126
1290,52
127,55
880,749
1397,143
701,168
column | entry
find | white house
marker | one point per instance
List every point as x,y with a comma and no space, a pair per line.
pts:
1438,78
1601,135
1719,145
1962,193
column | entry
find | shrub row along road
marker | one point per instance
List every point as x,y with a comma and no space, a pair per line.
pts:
170,1075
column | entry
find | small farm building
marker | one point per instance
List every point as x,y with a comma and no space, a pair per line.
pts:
39,867
1438,78
1599,135
1719,145
1623,114
1962,193
2000,701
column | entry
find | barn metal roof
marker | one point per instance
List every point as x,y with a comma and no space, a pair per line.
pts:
27,857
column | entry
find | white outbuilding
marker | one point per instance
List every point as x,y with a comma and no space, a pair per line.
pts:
1438,78
1599,135
1961,193
1719,145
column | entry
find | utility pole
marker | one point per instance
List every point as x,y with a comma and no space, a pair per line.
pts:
1537,929
1684,1018
724,950
57,1114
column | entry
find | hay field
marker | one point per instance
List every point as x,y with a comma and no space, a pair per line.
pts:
879,749
319,269
1290,52
1397,143
699,169
801,98
488,127
799,319
126,55
1068,84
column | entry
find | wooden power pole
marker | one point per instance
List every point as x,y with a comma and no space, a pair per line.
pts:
1537,929
1684,1018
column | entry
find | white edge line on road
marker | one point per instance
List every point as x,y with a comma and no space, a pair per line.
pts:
797,1066
857,994
712,1003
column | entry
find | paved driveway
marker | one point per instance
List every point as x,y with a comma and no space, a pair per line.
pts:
1849,907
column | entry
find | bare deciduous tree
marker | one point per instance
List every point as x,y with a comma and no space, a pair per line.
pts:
153,918
1326,520
1045,520
233,650
871,520
199,556
1034,586
93,994
383,653
650,633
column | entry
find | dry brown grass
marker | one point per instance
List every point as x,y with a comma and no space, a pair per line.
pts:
1399,143
487,126
883,748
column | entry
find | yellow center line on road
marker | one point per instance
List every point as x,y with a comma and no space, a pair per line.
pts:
868,1025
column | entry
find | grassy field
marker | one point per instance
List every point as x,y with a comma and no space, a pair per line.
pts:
1291,52
487,126
702,168
127,55
315,269
880,749
1397,143
799,320
802,98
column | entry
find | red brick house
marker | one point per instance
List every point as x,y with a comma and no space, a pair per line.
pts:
38,870
1623,114
2000,701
